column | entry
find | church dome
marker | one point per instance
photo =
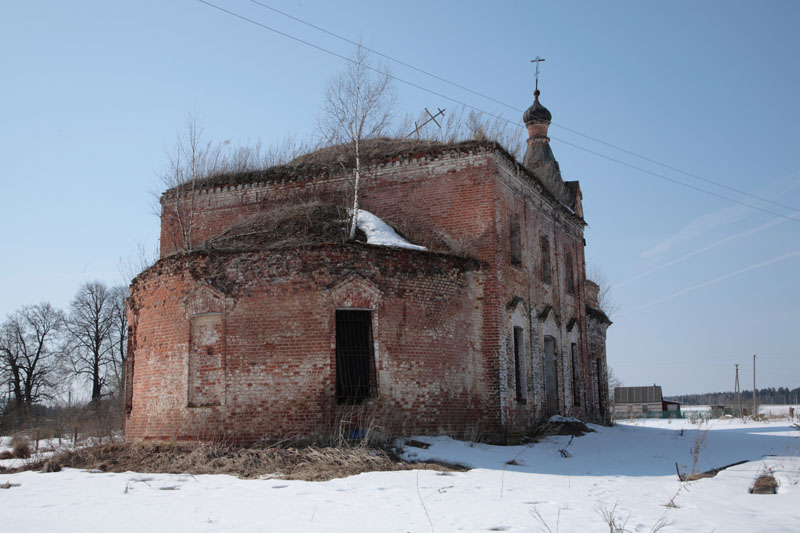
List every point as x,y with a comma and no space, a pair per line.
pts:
536,112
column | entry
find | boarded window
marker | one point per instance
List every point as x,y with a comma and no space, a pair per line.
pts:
576,376
355,367
519,355
205,360
545,245
515,242
570,275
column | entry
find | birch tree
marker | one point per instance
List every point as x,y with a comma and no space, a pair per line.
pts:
358,104
118,335
191,159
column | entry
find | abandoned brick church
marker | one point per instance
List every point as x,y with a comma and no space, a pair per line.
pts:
273,324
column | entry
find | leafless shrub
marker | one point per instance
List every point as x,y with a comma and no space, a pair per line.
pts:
765,482
605,300
136,262
195,159
51,466
683,486
20,446
611,516
697,448
660,524
363,425
543,525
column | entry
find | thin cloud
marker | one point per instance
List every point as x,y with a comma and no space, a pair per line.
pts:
681,292
698,227
716,219
704,249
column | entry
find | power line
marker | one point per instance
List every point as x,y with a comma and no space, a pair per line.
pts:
499,117
673,180
515,108
675,169
385,56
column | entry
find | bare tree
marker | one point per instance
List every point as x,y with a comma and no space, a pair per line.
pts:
613,383
89,328
118,335
30,351
194,158
256,156
136,262
9,363
358,105
191,159
604,299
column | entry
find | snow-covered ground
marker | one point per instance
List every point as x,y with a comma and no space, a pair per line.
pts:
627,470
43,450
778,410
766,410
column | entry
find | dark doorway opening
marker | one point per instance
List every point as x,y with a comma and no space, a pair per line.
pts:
354,356
576,376
550,376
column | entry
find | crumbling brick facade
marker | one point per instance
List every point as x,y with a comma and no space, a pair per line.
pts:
489,330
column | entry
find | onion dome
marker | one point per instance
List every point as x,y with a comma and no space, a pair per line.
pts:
537,112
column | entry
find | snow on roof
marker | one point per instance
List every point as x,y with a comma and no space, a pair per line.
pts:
380,233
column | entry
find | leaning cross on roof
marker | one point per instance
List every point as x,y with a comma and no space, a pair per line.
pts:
431,118
537,60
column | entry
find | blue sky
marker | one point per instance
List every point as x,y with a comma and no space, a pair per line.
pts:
94,93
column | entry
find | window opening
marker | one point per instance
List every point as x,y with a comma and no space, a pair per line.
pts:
576,376
354,356
515,243
570,276
519,347
545,245
205,360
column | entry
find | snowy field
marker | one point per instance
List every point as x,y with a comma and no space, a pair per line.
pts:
559,484
765,410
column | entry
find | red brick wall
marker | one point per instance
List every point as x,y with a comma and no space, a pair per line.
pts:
444,201
461,203
277,313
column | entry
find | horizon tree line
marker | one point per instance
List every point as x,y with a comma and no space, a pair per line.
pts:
44,351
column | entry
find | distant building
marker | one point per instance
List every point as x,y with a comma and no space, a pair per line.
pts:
632,402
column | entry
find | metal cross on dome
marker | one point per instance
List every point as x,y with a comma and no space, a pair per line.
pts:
537,60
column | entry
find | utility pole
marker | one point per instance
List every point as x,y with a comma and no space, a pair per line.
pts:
736,392
754,385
